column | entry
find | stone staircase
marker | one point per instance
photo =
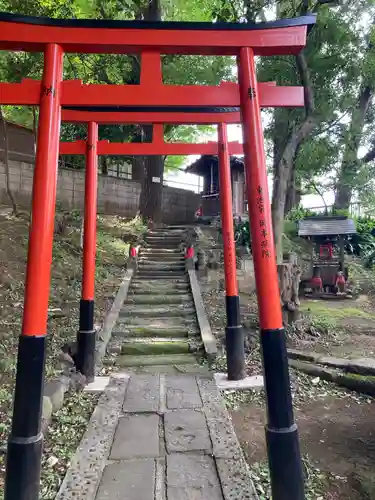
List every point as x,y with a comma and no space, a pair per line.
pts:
157,327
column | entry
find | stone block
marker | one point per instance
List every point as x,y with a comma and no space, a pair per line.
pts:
192,477
235,480
182,392
185,431
130,480
137,436
224,440
142,394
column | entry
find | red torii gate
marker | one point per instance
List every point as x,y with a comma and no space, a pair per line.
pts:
56,36
158,147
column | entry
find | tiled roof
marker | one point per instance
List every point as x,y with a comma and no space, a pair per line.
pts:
326,226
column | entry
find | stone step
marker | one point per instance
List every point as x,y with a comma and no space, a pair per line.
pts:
162,245
160,299
153,331
169,346
156,312
168,259
158,359
196,369
167,251
124,321
177,256
175,265
161,266
162,283
163,236
166,234
161,276
162,258
149,289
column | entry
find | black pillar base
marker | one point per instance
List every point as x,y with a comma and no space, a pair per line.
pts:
234,339
85,360
23,468
282,436
285,464
86,315
26,441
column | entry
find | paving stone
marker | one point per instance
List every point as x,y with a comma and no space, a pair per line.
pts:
142,394
83,476
182,392
186,430
137,436
224,440
235,479
130,480
192,477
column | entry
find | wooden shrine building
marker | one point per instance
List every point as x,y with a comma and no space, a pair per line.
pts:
207,166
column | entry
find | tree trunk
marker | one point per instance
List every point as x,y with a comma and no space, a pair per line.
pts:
349,165
284,164
6,163
150,204
290,198
293,193
104,165
35,128
152,191
289,280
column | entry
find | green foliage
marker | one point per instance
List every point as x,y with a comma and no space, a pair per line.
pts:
242,235
363,243
299,213
113,68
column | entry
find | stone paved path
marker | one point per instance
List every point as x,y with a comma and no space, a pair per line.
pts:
159,437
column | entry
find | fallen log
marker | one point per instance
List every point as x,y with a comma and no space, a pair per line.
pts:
354,382
362,366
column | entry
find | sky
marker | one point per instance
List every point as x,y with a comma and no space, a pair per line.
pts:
190,181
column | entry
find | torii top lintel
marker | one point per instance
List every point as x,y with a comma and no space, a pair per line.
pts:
285,36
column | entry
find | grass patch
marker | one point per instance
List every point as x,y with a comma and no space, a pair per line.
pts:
321,308
316,481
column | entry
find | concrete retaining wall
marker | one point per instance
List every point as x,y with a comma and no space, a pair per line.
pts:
115,196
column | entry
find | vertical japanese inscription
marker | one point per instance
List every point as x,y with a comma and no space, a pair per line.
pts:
251,93
264,243
48,91
230,256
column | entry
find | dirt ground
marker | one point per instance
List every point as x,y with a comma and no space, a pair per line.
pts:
337,434
337,427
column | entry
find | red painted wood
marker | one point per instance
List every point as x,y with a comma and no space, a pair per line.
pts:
149,117
38,271
89,233
148,149
274,41
263,248
76,93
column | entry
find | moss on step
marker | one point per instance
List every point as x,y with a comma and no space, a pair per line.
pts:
156,312
155,322
144,331
159,359
159,299
144,349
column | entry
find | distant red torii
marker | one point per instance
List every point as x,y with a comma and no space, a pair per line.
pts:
157,147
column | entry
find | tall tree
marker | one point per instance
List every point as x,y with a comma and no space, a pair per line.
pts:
350,164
